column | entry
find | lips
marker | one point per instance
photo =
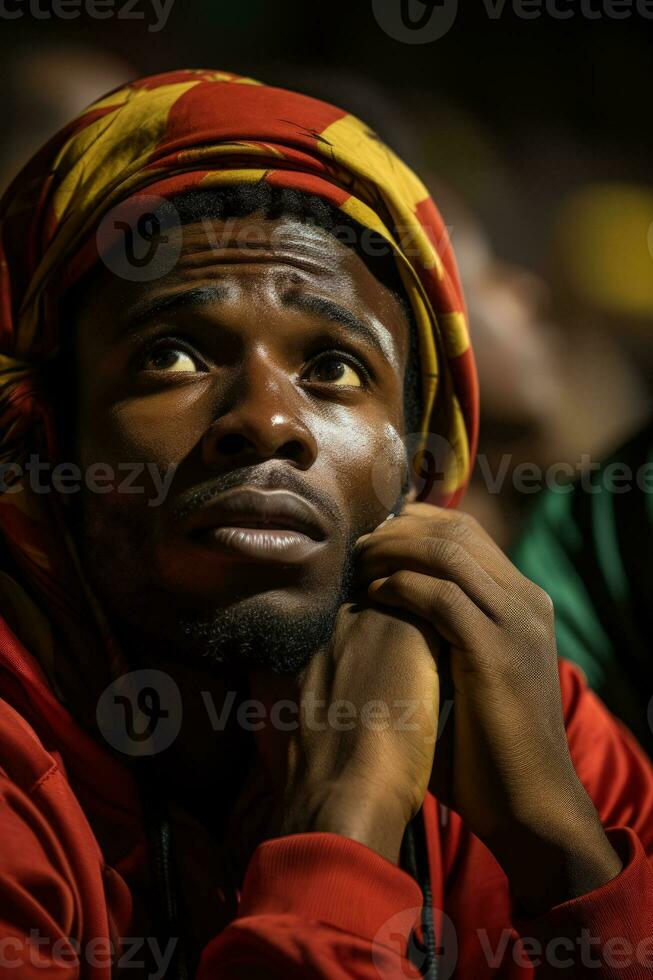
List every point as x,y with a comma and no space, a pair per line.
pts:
260,510
263,525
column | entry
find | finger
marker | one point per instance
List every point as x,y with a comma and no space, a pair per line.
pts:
424,520
438,601
361,540
451,517
448,515
442,558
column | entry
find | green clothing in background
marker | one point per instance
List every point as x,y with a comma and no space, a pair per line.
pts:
590,546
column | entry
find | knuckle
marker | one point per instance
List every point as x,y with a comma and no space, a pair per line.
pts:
546,602
540,600
462,527
401,581
446,594
443,552
467,520
371,544
539,631
543,636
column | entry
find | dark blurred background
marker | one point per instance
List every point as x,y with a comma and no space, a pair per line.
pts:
533,135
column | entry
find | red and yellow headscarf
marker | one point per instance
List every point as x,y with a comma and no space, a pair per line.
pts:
164,135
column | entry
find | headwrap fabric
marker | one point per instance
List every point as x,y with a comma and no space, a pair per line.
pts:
164,135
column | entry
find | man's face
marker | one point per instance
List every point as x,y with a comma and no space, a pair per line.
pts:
276,366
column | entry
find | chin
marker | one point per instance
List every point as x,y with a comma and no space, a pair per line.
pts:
274,631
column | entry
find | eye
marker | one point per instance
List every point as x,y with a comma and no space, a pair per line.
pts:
169,357
335,369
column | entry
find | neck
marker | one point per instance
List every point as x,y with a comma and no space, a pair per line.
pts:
223,766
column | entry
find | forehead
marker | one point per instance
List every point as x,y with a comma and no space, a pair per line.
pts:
256,259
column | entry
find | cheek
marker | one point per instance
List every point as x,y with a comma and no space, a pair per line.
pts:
161,429
369,466
390,469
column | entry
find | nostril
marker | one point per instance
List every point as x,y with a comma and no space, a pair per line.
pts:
231,444
291,450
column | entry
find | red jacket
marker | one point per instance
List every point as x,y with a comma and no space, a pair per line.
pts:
73,870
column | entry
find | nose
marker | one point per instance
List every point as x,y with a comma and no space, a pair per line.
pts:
263,421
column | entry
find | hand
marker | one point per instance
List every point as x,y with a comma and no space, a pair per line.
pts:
511,777
359,761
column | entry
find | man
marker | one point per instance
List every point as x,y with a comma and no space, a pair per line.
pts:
217,291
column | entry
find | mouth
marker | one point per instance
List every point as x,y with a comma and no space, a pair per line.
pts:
260,525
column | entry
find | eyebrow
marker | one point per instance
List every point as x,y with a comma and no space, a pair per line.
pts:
150,308
328,309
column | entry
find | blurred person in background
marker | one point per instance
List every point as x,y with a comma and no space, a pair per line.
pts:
517,356
590,543
554,391
560,381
